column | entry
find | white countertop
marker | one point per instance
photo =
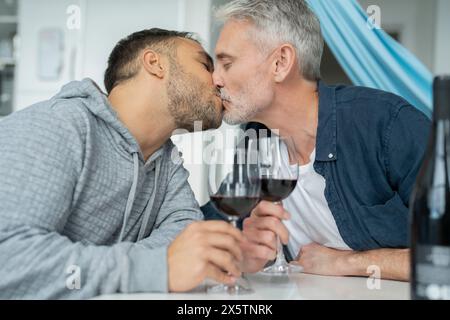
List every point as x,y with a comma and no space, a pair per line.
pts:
295,287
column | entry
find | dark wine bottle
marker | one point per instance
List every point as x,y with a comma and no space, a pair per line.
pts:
430,207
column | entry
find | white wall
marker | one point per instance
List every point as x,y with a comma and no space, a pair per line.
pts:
425,28
103,24
33,16
415,19
442,48
109,21
195,17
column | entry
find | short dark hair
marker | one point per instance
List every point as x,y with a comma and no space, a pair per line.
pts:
122,64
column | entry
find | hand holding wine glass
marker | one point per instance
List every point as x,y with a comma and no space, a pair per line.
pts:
234,188
279,173
260,232
206,249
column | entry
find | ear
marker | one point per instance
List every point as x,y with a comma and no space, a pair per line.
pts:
285,62
153,64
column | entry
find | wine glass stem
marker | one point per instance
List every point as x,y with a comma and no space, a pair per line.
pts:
281,259
280,254
241,282
233,221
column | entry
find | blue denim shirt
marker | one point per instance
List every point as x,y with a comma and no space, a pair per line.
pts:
369,148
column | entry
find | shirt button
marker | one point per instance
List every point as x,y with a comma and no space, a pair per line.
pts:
331,156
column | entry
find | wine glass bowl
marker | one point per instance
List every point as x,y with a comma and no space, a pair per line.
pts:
275,190
279,171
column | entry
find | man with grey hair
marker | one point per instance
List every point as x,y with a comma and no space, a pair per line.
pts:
360,148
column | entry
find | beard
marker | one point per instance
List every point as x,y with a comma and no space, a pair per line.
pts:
189,102
244,108
242,112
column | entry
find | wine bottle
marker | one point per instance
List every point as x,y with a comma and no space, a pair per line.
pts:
430,206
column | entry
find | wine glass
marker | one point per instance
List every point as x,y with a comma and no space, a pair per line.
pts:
234,189
279,169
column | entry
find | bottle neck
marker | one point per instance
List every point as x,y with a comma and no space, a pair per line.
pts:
441,133
441,112
441,97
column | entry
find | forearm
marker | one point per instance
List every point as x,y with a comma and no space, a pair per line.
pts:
165,234
43,265
392,263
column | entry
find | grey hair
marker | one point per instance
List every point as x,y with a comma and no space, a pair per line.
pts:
278,21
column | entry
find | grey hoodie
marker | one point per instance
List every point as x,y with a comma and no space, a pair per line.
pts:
81,213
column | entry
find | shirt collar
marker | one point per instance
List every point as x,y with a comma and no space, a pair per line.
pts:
326,139
327,128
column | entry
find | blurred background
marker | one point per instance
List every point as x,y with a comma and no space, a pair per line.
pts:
47,43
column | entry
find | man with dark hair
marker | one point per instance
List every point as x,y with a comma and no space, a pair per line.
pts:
92,190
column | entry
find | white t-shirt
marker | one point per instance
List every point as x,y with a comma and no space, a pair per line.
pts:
311,218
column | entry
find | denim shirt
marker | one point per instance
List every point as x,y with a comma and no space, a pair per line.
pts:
369,147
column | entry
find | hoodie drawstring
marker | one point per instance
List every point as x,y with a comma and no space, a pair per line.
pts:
149,208
131,195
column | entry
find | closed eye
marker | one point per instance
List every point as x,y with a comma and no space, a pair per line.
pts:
227,66
207,67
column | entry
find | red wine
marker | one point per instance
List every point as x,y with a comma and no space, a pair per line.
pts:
235,206
430,207
276,189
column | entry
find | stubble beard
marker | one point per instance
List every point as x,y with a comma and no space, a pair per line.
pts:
187,102
243,110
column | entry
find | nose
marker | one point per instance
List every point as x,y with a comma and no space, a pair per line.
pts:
217,79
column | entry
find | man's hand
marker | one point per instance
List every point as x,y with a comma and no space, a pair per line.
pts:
392,263
260,231
204,250
317,259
